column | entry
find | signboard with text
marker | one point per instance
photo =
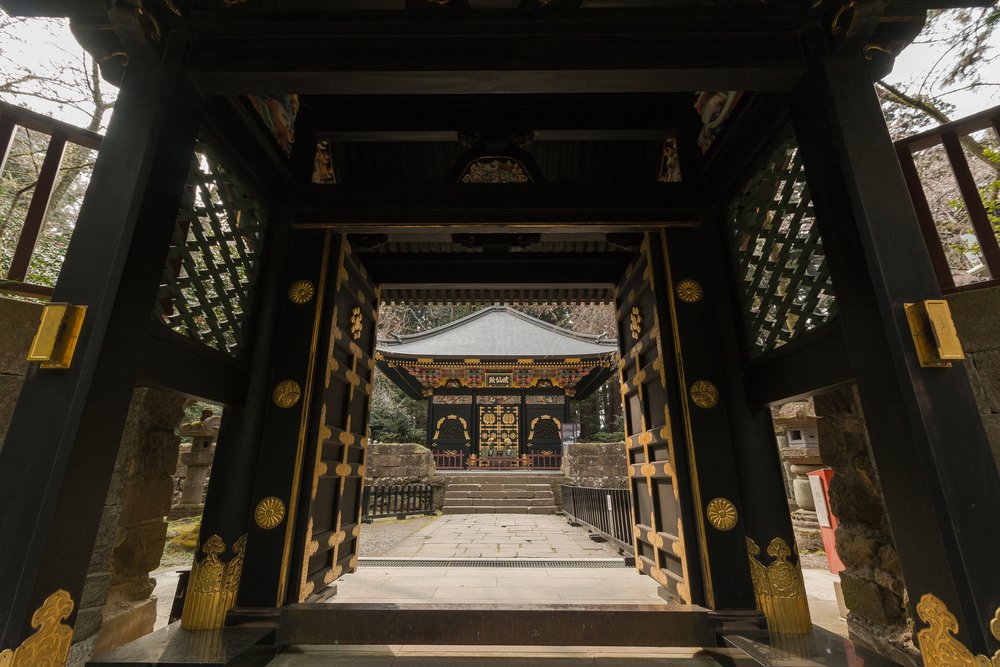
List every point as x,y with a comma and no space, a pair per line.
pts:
499,380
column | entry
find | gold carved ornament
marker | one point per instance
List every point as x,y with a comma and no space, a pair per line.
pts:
704,394
722,514
301,291
635,323
49,645
779,589
212,587
270,513
357,325
286,394
938,644
690,291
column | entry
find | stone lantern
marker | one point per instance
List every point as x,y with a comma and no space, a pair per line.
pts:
198,461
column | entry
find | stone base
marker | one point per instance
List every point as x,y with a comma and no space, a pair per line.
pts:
120,628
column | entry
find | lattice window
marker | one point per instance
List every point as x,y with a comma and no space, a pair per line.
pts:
452,429
781,264
213,260
547,429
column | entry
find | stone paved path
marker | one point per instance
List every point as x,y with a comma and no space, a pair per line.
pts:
507,536
500,536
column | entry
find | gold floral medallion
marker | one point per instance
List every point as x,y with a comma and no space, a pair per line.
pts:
635,323
287,393
722,514
690,291
301,291
270,513
704,394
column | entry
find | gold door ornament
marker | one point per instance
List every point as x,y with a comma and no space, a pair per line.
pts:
938,644
722,514
301,291
779,589
499,430
690,291
212,587
704,394
270,513
357,325
635,323
49,645
287,393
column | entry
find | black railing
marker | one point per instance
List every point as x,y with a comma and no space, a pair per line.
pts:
607,511
398,501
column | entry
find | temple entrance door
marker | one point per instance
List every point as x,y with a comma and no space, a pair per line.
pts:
666,545
311,470
499,436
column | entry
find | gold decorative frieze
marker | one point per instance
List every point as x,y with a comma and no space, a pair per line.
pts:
212,588
722,514
690,291
779,589
301,291
635,323
938,644
270,513
286,393
704,394
49,645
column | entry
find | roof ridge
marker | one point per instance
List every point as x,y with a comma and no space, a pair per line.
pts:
596,339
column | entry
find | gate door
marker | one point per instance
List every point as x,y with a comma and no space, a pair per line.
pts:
334,465
666,545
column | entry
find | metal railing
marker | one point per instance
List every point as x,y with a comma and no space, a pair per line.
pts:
398,501
608,511
57,138
950,137
449,460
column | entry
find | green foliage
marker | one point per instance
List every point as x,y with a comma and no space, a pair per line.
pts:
395,417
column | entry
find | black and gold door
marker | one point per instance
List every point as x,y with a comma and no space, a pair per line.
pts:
685,499
499,432
306,520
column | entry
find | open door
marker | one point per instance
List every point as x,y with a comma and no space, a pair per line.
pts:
334,464
666,544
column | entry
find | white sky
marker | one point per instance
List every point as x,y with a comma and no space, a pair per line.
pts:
47,46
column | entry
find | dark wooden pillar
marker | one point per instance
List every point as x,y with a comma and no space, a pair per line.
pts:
229,505
765,515
57,462
941,485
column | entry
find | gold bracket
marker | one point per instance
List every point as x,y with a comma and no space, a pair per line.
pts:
934,334
58,332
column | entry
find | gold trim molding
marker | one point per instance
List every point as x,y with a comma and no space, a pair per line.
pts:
779,589
50,643
938,644
270,513
211,591
722,514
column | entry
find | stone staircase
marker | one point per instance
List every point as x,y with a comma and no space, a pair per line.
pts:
501,493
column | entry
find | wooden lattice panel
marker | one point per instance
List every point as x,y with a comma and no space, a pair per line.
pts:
781,266
211,268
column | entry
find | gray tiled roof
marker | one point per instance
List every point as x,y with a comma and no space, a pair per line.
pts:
498,332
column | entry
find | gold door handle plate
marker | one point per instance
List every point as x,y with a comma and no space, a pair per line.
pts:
934,334
58,332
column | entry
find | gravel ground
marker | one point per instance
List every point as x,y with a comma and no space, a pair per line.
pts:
379,537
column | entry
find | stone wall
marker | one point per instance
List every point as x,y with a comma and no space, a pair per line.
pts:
116,606
20,321
977,318
872,582
597,464
388,464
